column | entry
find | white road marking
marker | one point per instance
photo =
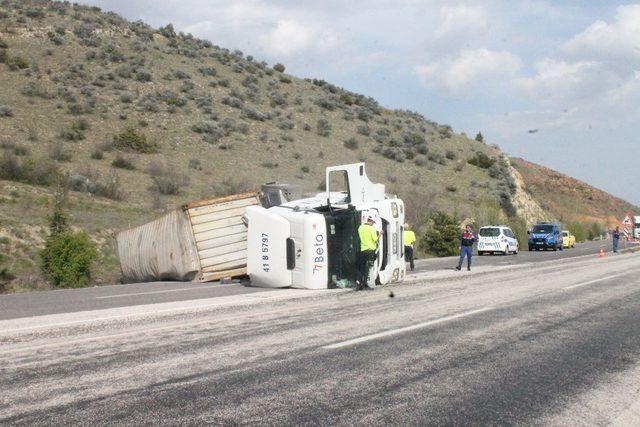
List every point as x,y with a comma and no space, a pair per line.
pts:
168,291
405,329
590,282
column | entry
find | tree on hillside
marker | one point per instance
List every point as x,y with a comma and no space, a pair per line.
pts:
67,256
479,137
442,236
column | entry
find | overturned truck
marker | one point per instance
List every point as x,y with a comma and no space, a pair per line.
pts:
303,243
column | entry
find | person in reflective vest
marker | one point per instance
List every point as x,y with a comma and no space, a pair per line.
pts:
408,239
367,256
467,238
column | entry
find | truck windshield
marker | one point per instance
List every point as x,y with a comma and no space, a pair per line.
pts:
342,243
489,232
542,229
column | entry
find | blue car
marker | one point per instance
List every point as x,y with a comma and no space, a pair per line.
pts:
545,236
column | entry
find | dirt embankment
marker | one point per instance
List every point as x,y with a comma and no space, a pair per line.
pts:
568,199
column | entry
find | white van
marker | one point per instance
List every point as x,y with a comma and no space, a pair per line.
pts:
497,239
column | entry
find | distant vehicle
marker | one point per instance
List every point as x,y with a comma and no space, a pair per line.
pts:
497,239
568,239
636,227
545,236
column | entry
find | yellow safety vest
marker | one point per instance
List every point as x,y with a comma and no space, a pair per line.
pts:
368,237
408,237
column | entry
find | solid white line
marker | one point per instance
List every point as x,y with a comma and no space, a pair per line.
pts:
402,330
167,291
590,282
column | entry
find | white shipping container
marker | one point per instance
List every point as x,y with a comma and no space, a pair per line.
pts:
202,241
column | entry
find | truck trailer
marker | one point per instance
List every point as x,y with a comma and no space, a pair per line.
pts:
201,241
312,243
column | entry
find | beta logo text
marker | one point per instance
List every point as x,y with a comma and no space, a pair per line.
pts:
318,250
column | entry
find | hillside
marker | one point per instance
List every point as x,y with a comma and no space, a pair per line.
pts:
570,200
139,120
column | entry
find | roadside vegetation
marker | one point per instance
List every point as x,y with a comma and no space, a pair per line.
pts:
68,255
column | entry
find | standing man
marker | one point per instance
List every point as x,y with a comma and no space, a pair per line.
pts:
615,237
408,239
466,246
367,255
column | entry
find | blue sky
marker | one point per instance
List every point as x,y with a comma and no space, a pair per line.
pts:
568,70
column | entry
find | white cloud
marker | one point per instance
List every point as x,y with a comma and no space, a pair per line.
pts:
290,37
461,20
469,70
620,39
565,82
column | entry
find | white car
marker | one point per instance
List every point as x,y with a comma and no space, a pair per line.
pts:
497,239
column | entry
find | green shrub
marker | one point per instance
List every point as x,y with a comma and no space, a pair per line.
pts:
351,144
481,160
364,130
130,139
72,133
67,258
5,111
166,179
519,227
578,229
29,170
122,162
442,236
16,62
279,68
323,128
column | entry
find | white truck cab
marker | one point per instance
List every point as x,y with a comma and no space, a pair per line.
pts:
313,243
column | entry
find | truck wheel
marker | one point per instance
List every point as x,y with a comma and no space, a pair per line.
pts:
480,253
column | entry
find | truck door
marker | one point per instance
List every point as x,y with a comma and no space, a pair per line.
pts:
270,249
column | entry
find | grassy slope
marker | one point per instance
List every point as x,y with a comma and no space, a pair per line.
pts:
569,199
246,156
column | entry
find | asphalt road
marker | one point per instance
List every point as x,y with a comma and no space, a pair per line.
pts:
553,343
76,300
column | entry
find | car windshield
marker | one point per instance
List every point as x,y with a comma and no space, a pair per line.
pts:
565,234
542,229
489,232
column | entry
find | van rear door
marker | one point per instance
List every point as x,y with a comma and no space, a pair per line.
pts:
269,248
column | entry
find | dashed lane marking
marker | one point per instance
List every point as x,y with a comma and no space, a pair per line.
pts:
403,330
591,282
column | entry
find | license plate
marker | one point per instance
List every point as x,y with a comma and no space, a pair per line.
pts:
539,243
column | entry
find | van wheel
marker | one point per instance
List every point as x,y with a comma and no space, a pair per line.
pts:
480,253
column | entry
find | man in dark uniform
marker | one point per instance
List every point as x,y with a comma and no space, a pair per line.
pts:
615,237
467,238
